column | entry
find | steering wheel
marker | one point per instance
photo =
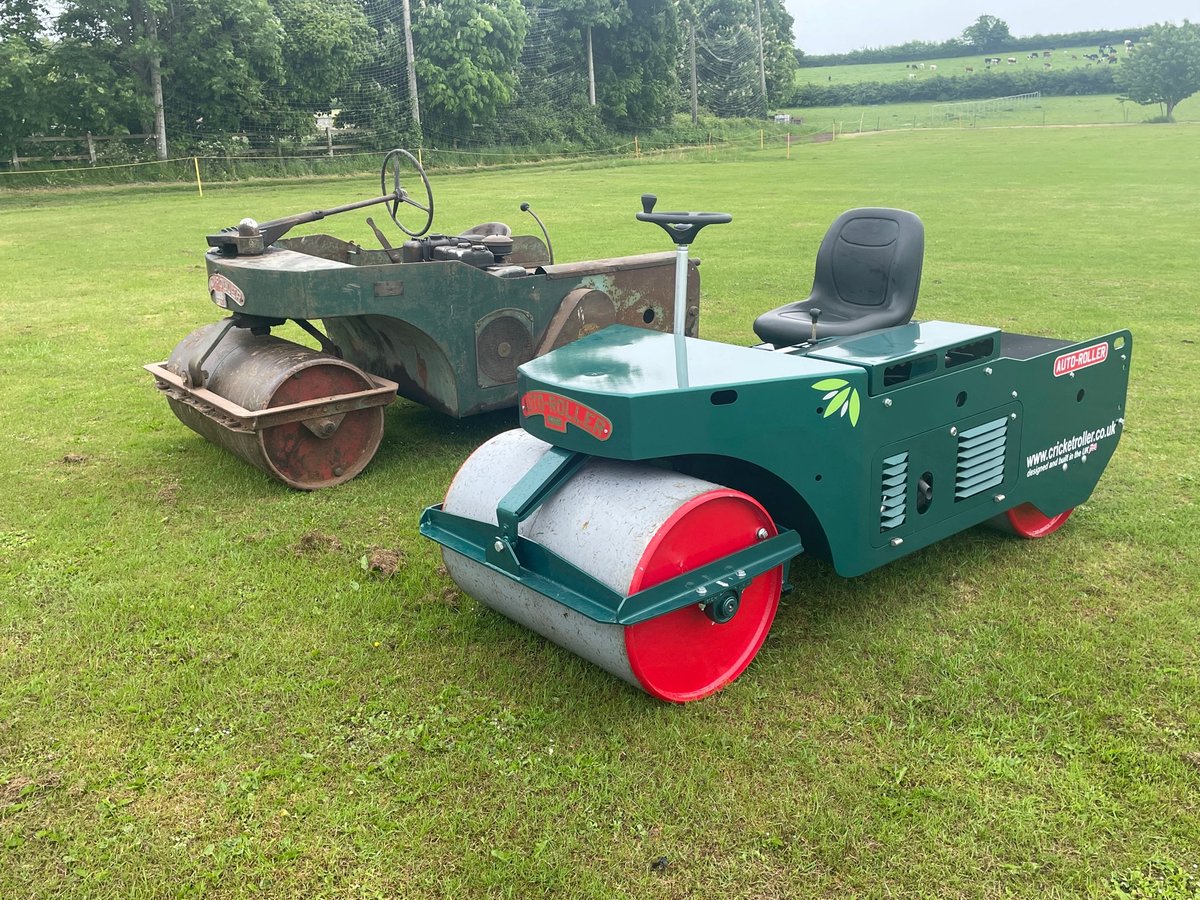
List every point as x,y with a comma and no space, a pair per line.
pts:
681,226
394,162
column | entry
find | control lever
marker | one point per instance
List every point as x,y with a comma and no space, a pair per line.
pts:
545,233
814,314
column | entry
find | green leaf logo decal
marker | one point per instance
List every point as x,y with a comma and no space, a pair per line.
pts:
841,399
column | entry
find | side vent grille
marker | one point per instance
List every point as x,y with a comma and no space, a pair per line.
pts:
894,482
980,458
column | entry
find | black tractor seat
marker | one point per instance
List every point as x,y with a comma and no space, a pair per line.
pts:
867,277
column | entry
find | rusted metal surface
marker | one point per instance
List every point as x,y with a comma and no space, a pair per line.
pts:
306,418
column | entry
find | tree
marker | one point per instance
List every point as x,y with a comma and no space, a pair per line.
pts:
636,84
323,41
987,34
23,67
466,51
1165,67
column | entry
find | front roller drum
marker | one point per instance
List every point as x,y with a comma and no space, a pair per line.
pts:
631,527
327,420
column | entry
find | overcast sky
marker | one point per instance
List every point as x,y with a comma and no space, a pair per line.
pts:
835,26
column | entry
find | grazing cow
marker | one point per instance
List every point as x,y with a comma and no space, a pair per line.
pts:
933,67
1012,60
1046,65
1033,55
969,69
921,66
1045,54
911,76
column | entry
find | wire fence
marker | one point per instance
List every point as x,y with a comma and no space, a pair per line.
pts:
777,140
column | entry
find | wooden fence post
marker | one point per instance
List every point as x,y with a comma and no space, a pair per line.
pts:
91,145
329,139
16,161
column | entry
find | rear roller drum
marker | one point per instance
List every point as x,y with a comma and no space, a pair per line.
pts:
629,526
261,372
1028,522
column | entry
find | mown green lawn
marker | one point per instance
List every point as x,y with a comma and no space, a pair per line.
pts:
204,693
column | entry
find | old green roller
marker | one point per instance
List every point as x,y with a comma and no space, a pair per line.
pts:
442,319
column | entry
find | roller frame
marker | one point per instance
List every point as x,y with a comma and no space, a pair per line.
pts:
238,418
542,570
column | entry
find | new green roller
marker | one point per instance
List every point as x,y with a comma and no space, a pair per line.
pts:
646,513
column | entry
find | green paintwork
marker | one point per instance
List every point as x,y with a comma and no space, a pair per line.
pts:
425,324
822,474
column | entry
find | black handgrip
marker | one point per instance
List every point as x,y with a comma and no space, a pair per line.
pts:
681,226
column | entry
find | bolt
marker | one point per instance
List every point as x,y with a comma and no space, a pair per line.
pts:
1085,457
999,498
498,546
1012,415
762,534
987,371
896,542
701,591
953,431
741,573
887,401
1014,395
337,471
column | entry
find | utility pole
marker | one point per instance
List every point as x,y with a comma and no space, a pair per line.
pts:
591,70
695,90
412,65
762,63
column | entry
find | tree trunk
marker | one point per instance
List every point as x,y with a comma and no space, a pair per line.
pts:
414,105
156,91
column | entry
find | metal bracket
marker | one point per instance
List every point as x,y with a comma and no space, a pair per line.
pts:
195,372
543,571
548,474
327,346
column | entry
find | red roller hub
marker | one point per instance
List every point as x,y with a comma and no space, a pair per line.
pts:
684,655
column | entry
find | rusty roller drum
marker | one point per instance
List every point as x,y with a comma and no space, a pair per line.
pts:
261,372
630,526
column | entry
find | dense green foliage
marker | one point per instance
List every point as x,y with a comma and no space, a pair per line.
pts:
1166,68
257,73
468,51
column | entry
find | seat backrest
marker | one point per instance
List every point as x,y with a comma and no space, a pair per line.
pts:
485,229
870,261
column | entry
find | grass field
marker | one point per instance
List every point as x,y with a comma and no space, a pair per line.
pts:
1087,110
204,693
1060,58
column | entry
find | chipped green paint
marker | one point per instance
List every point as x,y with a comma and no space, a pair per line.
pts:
842,398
